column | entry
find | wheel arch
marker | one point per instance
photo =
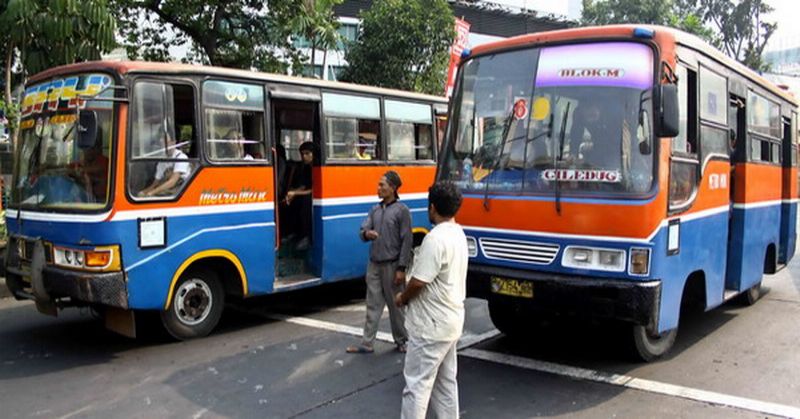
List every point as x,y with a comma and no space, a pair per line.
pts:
221,261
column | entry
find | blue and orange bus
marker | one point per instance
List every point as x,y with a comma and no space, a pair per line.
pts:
146,186
619,172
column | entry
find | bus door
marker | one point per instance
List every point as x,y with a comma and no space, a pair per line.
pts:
296,137
738,145
786,246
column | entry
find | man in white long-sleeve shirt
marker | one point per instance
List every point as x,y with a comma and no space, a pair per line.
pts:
435,315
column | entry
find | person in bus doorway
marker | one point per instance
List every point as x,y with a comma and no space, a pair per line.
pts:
435,310
388,229
298,197
169,174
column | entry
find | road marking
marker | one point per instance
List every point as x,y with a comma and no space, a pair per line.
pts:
635,383
585,374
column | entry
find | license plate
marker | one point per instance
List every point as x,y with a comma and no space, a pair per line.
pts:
512,287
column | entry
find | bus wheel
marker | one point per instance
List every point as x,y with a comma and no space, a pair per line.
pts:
196,306
648,347
506,317
752,295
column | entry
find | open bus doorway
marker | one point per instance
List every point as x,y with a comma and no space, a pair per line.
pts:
297,134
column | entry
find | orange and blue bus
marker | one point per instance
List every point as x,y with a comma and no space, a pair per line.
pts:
145,186
619,172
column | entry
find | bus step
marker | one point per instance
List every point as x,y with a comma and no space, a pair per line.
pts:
729,294
294,280
779,267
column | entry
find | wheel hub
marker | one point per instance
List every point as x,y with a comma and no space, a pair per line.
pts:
193,302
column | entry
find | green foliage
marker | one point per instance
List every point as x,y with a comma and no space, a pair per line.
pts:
742,32
735,26
319,25
672,13
404,44
230,33
48,33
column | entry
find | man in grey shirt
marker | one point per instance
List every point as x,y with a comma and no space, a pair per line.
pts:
388,227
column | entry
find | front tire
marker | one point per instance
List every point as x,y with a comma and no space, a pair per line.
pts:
752,295
196,305
647,346
506,317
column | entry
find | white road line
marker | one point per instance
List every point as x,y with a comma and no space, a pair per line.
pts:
626,381
636,383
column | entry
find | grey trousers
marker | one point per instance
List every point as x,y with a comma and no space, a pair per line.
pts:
430,372
380,292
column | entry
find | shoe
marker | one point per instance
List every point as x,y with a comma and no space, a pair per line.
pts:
360,349
401,347
303,244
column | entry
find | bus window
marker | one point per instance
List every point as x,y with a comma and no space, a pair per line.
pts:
163,141
353,127
686,141
409,131
234,121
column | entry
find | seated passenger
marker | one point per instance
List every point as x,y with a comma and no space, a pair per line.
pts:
235,146
92,171
602,150
169,174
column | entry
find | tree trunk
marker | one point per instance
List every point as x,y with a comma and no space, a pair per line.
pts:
313,56
9,62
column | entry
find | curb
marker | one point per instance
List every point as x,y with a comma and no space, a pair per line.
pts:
4,293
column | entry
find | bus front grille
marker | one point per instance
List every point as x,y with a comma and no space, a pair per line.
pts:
519,251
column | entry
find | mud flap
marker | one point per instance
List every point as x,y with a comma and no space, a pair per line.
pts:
120,321
44,303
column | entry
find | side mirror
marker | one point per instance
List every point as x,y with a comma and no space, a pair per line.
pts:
87,129
668,117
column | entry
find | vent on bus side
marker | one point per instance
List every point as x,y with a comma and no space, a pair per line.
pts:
519,251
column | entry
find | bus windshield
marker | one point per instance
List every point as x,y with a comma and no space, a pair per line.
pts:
53,171
576,115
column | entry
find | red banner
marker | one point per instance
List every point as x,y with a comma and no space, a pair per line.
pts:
461,41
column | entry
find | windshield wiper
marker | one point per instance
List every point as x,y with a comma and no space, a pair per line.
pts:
498,157
559,156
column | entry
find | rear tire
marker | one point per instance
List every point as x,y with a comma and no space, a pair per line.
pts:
648,347
196,305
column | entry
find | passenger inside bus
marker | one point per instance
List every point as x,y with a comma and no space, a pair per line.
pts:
92,170
595,136
169,175
234,145
298,198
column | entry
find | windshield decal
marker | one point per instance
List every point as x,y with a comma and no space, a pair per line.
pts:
605,176
62,94
621,64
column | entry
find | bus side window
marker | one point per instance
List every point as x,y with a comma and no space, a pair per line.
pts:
409,131
684,163
163,150
234,121
353,127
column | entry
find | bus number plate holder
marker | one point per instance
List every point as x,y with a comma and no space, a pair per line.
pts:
512,287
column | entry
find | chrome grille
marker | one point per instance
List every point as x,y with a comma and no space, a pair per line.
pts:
519,250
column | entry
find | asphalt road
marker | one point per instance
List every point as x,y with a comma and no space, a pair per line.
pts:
283,356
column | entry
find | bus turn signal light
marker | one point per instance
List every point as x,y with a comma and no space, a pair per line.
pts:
97,259
640,261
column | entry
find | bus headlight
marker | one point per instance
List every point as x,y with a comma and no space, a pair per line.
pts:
102,258
640,261
611,260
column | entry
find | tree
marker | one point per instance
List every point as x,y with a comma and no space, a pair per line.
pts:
403,44
743,33
319,25
735,26
48,33
671,13
230,33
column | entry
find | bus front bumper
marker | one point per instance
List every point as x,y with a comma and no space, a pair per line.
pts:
631,301
35,279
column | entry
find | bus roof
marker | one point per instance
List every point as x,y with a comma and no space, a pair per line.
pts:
133,67
662,33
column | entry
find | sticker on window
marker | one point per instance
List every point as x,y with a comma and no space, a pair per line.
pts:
602,176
